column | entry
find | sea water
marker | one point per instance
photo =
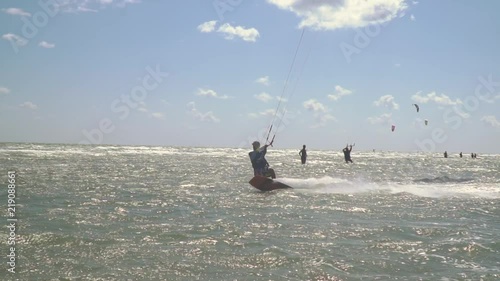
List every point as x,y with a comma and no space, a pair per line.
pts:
181,213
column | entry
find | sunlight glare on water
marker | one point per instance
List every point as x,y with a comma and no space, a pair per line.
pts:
167,213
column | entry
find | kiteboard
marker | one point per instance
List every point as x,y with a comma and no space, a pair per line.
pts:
266,184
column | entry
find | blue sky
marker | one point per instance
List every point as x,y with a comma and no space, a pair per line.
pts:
211,73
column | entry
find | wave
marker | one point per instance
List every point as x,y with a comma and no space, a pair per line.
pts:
444,179
330,185
445,188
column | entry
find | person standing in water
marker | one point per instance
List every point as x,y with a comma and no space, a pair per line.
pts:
347,153
303,154
445,154
259,162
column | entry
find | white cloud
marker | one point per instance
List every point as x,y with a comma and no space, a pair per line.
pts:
263,80
265,97
204,117
267,112
491,120
412,18
16,12
18,40
320,111
76,6
397,65
45,44
339,92
158,115
490,99
322,119
314,105
385,118
441,99
460,113
281,99
230,32
4,91
334,14
86,10
387,101
29,105
208,26
142,107
247,34
210,93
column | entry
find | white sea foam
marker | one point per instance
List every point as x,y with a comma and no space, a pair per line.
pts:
345,186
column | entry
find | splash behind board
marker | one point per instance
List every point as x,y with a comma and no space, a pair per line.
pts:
267,184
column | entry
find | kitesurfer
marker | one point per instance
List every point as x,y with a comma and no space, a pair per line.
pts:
460,154
347,153
303,154
445,154
259,162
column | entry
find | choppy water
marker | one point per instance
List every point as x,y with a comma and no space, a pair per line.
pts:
163,213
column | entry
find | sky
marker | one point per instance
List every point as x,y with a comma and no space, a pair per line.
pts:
220,73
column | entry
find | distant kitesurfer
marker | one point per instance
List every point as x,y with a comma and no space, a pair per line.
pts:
460,154
347,153
259,162
445,154
303,154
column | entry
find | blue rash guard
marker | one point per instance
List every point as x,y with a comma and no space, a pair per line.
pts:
259,162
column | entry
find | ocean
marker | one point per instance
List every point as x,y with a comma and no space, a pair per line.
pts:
183,213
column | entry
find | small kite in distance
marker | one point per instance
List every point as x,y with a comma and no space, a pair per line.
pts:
393,128
426,122
416,106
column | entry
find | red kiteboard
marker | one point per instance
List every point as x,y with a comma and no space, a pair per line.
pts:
267,184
